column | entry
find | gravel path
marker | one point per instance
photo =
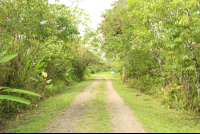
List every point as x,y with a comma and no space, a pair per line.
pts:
65,122
122,116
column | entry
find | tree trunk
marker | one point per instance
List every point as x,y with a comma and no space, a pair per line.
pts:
196,66
160,63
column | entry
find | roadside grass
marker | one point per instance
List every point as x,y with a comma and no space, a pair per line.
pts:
40,115
154,116
97,118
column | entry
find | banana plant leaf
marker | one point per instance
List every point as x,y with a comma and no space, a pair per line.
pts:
14,98
8,57
21,91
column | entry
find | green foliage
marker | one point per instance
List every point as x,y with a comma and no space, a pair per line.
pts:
159,44
21,91
172,96
14,98
48,41
151,113
9,97
7,57
37,117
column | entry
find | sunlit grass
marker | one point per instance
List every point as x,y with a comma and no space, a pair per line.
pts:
154,117
97,118
33,121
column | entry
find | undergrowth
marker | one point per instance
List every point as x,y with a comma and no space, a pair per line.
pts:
39,115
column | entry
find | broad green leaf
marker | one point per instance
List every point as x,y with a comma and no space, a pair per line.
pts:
14,98
8,57
48,81
21,91
39,65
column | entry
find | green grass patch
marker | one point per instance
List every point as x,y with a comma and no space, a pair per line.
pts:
155,117
97,118
35,119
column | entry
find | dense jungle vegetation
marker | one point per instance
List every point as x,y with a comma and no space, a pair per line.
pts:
42,51
155,46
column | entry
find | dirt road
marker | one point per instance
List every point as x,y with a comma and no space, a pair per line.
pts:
65,122
122,116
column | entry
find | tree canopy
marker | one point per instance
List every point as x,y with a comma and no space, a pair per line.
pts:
41,45
159,42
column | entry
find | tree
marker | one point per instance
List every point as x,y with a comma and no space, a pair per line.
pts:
159,42
46,37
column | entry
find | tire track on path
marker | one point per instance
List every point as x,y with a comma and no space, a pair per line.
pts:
65,122
122,116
